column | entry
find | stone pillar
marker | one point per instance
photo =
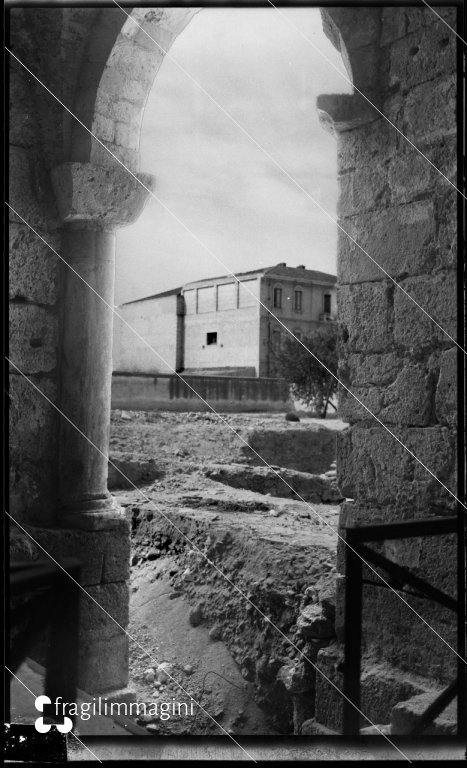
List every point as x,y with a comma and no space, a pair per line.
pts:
93,202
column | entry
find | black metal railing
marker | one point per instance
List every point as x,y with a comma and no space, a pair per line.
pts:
356,538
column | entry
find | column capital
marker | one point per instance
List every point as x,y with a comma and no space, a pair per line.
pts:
342,112
97,197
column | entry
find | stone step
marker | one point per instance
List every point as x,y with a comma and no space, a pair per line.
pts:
407,714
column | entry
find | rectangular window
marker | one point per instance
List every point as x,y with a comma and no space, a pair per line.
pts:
211,338
298,301
278,297
327,303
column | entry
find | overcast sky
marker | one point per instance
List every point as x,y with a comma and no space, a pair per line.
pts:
212,176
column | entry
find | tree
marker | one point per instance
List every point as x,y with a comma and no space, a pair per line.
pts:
310,381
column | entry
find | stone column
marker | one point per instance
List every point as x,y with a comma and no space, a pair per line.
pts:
93,202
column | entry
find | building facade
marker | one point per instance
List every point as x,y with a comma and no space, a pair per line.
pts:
225,326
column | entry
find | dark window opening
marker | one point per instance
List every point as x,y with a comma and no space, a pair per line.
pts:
211,338
278,297
327,303
298,301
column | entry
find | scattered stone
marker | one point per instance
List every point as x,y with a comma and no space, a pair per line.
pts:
376,730
187,575
195,616
153,728
149,675
297,678
188,669
145,719
215,633
312,623
292,417
313,728
163,672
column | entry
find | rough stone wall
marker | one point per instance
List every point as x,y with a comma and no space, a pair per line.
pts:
33,281
85,58
392,357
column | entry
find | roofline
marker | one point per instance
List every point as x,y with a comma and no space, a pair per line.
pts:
172,292
312,275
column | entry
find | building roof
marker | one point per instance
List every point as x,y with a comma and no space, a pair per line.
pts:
284,271
279,270
172,292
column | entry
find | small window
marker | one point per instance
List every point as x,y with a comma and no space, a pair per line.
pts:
298,300
327,303
211,338
278,297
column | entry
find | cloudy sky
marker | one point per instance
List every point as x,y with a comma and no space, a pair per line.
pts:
221,185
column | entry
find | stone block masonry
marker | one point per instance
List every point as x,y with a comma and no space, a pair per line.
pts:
392,356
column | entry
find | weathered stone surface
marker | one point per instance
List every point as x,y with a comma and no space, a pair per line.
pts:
135,469
313,623
421,56
374,468
371,144
33,266
437,295
285,482
361,190
430,110
301,448
446,391
407,714
298,677
364,370
366,313
103,663
407,401
398,239
33,338
109,198
104,610
33,447
105,555
30,193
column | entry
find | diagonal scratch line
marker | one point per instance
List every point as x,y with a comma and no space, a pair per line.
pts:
444,22
294,181
406,448
348,80
226,423
197,548
33,694
196,238
152,658
266,618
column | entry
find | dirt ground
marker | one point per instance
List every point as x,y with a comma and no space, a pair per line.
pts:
281,541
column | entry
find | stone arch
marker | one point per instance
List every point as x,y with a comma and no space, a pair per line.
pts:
121,63
358,44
